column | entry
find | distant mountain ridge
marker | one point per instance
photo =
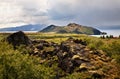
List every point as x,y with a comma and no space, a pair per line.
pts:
29,27
72,28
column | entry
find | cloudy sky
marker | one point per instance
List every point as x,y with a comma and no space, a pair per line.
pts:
59,12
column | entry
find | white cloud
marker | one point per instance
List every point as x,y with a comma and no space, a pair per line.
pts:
87,12
16,12
8,11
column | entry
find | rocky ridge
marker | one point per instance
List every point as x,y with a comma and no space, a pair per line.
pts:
72,55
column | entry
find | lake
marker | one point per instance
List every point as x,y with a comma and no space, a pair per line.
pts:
114,32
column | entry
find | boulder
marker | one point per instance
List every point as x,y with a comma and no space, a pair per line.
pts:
18,38
75,57
83,67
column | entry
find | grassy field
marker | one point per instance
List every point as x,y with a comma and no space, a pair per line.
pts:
110,45
14,65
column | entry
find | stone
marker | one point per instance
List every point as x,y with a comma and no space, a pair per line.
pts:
65,53
97,74
83,67
113,61
75,57
18,38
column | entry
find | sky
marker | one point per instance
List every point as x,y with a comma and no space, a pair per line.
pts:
96,13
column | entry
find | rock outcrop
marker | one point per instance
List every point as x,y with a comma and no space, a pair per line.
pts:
73,55
18,38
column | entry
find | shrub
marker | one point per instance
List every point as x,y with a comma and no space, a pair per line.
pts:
14,65
113,50
96,44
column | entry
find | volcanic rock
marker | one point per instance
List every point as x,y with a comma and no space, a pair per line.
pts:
18,38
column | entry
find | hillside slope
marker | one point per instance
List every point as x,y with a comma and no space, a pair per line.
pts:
72,28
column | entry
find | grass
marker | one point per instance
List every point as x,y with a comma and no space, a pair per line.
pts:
15,65
13,61
110,46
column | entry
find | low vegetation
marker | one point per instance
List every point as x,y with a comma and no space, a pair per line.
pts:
19,63
15,65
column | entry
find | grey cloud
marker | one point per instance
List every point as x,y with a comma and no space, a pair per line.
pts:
88,12
23,11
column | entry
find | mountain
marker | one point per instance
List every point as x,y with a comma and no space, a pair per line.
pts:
29,27
72,28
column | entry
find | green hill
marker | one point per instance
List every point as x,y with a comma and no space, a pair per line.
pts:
72,28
